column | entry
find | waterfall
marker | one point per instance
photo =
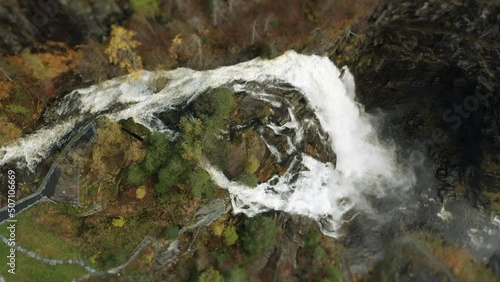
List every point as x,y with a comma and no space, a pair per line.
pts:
365,167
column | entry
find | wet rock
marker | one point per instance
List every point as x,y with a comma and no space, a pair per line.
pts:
494,263
26,23
431,59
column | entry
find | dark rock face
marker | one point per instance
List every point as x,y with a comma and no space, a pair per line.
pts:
433,68
26,23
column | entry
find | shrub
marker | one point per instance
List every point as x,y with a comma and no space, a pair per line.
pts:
259,235
230,235
313,238
211,275
319,253
118,222
17,109
171,232
335,274
136,175
237,274
140,192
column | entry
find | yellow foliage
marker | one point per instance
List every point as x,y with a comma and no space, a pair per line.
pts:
118,222
113,149
135,152
140,192
177,39
218,227
121,47
176,46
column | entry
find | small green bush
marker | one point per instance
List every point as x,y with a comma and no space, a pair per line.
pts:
313,238
211,275
136,175
237,274
259,235
335,274
319,253
171,232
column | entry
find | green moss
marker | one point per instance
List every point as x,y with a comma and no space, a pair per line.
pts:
251,180
252,164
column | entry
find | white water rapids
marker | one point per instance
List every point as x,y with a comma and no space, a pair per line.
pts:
365,168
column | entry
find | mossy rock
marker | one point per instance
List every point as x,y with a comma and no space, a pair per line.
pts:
135,129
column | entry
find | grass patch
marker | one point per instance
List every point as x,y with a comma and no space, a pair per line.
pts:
38,238
29,269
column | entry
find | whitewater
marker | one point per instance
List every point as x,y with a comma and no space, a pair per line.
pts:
366,167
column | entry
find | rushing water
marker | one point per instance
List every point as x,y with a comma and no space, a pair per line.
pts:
366,168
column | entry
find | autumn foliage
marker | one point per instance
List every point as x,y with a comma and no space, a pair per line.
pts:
121,49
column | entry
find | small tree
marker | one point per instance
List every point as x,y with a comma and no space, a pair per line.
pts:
172,174
121,51
230,235
201,184
160,149
259,236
